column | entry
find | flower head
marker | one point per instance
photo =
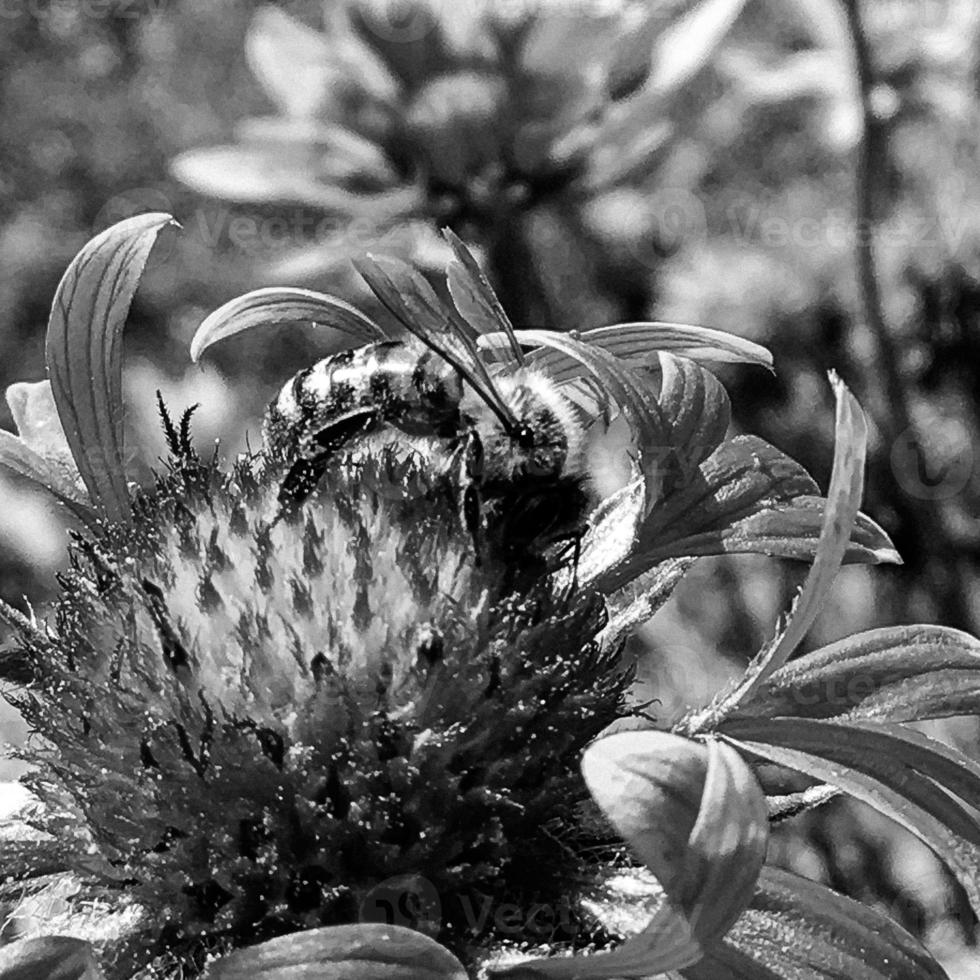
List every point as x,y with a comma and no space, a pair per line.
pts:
253,717
503,124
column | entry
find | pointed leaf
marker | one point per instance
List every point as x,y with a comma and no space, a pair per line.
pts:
612,531
50,958
638,341
868,764
281,305
404,291
637,602
639,344
799,930
743,475
84,354
786,530
843,500
369,951
880,673
943,694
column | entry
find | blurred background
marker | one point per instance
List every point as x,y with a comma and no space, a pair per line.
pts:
723,162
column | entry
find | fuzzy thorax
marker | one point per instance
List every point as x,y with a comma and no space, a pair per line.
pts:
554,448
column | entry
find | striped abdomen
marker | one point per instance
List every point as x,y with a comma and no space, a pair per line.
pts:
392,383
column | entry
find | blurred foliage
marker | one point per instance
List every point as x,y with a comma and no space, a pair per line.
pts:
748,226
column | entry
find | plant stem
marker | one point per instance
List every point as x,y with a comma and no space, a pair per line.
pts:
890,405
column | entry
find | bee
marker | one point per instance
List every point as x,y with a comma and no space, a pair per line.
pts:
516,439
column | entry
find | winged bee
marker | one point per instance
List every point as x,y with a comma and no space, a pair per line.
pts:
517,440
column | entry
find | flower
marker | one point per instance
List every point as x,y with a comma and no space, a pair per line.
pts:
506,125
254,722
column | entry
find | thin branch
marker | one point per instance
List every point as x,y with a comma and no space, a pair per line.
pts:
793,804
892,409
890,405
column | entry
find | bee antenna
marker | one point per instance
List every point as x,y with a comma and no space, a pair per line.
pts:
419,303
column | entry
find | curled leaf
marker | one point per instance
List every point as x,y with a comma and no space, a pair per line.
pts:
369,951
50,958
696,817
278,305
40,450
84,354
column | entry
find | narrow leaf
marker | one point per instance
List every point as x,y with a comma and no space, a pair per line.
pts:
281,305
872,674
639,344
369,951
799,930
896,755
786,530
84,354
843,501
263,173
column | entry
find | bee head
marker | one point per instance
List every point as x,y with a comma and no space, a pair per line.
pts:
546,441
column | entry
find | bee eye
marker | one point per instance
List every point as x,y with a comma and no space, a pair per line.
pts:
524,436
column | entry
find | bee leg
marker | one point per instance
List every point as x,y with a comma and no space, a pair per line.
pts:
472,457
573,545
306,472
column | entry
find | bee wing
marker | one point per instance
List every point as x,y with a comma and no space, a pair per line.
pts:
409,298
474,296
275,304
